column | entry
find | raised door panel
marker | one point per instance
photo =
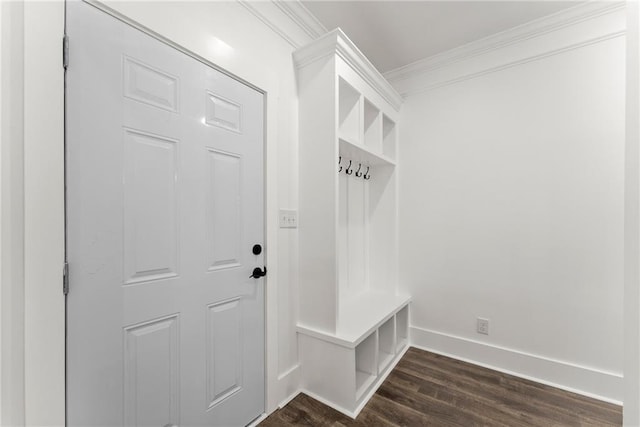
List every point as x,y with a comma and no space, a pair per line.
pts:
151,373
223,113
150,207
224,354
150,85
224,211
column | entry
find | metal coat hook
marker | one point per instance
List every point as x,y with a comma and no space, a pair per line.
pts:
366,174
340,161
348,170
358,173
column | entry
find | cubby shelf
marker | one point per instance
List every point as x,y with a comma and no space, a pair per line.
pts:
366,369
364,380
349,336
343,374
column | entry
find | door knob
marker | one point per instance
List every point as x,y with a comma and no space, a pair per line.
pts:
258,273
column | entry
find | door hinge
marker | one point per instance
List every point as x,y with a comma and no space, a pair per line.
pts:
65,278
65,51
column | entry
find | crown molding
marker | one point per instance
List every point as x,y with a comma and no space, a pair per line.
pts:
337,43
288,19
525,60
531,30
306,20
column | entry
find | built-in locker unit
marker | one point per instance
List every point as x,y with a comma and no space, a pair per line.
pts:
353,322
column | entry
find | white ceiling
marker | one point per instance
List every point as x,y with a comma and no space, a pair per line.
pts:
396,33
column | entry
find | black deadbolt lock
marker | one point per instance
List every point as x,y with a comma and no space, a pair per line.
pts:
257,249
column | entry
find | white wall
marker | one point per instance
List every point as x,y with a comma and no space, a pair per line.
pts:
512,209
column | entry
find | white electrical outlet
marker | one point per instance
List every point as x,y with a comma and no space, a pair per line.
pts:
288,218
482,326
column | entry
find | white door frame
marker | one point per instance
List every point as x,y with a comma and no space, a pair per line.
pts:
11,214
32,214
631,411
37,388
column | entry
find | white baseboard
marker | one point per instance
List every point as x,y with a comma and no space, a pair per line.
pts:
595,383
258,420
288,385
289,398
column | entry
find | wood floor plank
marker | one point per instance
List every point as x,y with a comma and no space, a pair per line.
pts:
449,412
426,389
398,414
458,401
588,407
470,381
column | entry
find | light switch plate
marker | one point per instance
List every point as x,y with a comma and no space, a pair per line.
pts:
288,218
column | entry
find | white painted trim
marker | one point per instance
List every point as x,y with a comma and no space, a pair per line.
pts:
508,37
631,411
2,24
44,313
570,29
306,20
592,382
288,399
148,31
516,63
291,371
258,420
336,42
288,385
12,403
291,20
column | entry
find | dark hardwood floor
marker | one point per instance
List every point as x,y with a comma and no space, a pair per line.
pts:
429,389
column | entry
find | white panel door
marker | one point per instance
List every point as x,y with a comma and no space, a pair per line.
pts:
164,207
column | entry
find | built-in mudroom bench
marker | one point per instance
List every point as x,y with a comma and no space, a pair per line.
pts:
353,317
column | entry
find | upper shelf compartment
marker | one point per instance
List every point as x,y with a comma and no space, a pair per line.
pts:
349,104
389,137
372,127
